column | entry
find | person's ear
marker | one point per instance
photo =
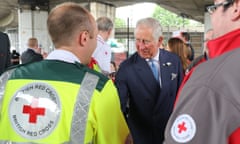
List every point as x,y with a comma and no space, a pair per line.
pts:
109,32
236,11
160,41
83,38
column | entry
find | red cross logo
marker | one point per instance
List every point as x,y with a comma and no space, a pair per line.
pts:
181,127
33,110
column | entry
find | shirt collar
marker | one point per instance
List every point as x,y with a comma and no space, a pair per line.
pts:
63,55
32,49
156,58
100,37
227,42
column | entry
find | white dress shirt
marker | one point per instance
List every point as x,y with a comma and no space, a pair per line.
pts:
63,55
157,64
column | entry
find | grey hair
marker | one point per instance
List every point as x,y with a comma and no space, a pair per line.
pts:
153,24
104,24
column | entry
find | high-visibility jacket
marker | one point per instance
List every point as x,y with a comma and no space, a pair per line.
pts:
56,102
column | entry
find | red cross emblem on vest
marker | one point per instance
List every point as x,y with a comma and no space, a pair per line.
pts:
33,110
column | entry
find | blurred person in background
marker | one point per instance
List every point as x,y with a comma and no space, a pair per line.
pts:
5,55
187,39
15,57
102,54
33,53
177,46
113,71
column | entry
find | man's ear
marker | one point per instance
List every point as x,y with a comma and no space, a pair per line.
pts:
109,32
160,41
83,38
236,10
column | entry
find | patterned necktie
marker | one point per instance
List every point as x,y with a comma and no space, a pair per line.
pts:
154,69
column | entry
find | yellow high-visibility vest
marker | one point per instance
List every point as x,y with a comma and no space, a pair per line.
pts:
40,107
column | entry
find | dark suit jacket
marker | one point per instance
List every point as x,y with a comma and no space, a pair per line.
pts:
5,60
30,56
149,105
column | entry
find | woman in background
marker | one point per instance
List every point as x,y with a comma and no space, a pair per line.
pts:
113,70
178,47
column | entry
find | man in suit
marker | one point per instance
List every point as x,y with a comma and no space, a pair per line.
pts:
147,101
33,53
5,60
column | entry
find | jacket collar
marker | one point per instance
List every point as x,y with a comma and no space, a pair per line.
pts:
223,44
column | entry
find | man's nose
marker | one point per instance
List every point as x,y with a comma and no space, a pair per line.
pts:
141,45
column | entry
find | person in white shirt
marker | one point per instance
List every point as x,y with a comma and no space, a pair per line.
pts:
102,53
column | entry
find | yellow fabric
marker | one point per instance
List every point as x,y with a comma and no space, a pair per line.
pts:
96,68
62,131
105,124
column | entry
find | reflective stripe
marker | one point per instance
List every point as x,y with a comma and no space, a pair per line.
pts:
9,142
80,113
3,81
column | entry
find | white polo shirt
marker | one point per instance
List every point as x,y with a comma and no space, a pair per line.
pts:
102,54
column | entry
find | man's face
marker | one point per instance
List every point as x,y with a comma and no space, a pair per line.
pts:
147,46
221,19
94,37
92,43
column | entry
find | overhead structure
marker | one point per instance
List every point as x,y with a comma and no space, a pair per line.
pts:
34,4
192,9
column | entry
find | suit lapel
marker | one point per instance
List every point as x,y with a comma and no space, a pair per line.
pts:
144,73
164,69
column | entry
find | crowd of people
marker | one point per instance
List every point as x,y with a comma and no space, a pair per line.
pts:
160,94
